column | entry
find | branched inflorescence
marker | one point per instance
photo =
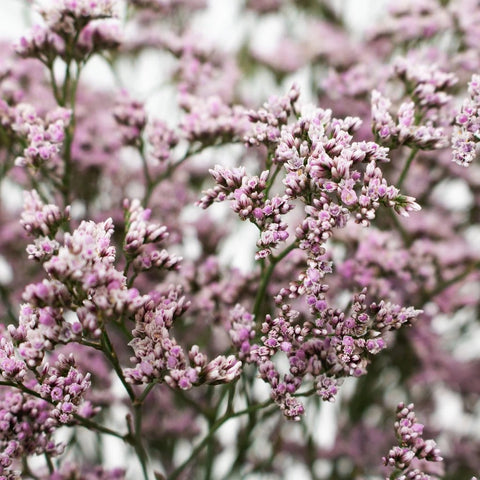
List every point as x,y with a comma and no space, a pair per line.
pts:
412,457
145,316
466,128
334,178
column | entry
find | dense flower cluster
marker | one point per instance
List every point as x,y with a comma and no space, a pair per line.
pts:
44,137
235,234
27,428
67,17
159,357
465,134
418,121
141,237
411,447
64,386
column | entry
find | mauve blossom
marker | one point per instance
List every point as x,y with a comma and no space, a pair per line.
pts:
134,308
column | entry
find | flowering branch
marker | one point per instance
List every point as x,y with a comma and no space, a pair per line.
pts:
360,188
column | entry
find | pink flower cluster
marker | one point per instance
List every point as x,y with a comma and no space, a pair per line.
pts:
268,226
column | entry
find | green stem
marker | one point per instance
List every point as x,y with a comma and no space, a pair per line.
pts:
37,186
271,180
51,468
395,474
113,359
229,392
132,279
55,89
121,327
244,441
407,239
91,425
90,344
99,448
69,134
266,278
183,397
8,142
231,397
311,450
196,451
210,455
127,265
305,394
27,472
404,172
146,392
5,297
66,84
139,447
146,173
151,185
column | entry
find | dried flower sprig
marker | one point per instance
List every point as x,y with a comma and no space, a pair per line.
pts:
136,319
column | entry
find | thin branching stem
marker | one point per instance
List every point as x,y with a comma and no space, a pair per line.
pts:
267,274
221,421
113,359
406,168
